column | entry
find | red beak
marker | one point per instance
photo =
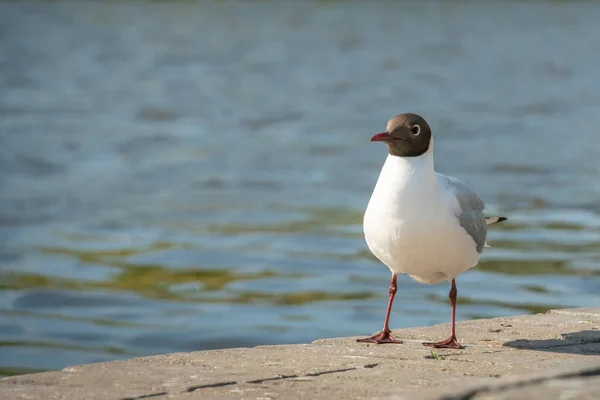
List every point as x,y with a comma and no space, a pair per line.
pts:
381,137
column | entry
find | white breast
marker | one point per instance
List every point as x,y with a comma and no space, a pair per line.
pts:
410,223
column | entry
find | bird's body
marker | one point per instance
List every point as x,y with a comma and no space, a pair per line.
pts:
419,222
411,223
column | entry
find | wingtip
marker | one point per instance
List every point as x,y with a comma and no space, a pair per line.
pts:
494,220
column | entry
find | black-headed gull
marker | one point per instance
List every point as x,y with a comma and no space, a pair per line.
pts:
419,222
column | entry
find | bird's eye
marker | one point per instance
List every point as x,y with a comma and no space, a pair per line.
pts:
416,129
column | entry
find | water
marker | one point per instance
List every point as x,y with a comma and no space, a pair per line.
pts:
178,176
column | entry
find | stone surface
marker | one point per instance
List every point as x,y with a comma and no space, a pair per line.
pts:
501,360
574,380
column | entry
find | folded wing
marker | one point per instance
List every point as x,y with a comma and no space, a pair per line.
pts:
470,216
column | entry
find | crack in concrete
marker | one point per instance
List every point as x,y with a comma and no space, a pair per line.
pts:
334,371
313,374
276,378
255,381
470,395
146,396
208,386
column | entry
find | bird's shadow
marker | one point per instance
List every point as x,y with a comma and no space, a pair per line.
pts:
582,342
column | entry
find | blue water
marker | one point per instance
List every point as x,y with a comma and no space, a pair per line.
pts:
178,176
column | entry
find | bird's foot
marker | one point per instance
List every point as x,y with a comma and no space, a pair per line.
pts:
380,338
451,343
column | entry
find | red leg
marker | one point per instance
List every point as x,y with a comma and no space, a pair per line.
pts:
451,342
385,335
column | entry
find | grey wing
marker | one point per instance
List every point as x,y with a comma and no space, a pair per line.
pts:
471,216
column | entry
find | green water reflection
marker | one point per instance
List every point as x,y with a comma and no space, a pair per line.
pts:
159,282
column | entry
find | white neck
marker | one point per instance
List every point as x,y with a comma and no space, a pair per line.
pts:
412,165
406,182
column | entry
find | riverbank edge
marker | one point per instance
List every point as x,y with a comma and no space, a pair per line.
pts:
541,356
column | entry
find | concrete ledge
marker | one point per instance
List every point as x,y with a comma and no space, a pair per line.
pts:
544,356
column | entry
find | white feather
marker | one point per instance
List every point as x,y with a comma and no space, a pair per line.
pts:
412,223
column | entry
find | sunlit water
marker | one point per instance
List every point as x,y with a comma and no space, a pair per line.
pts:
178,176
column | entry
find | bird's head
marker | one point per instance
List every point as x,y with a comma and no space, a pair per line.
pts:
407,135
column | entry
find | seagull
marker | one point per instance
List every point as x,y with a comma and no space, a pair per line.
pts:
420,222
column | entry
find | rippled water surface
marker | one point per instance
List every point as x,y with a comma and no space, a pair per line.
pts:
177,176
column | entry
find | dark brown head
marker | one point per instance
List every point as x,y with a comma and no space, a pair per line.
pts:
407,135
